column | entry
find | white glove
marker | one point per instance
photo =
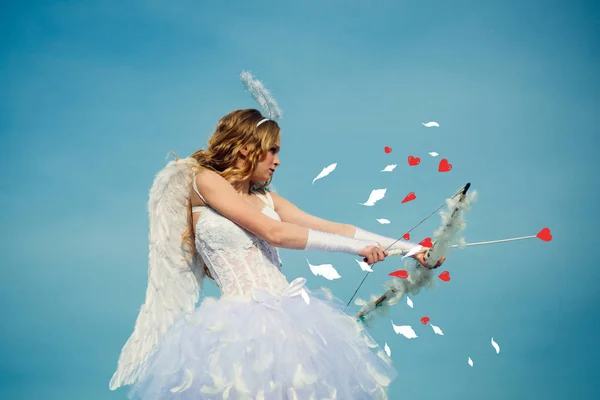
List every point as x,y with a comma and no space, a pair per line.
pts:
384,241
323,241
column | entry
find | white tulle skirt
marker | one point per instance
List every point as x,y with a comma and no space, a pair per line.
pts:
299,345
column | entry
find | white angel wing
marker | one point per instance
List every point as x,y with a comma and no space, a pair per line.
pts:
174,273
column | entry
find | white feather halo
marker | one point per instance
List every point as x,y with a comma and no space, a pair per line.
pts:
262,96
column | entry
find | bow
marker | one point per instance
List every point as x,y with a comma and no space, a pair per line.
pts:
452,224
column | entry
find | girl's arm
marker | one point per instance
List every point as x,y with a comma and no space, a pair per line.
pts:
292,214
220,196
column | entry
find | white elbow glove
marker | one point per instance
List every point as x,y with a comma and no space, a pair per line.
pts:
323,241
384,241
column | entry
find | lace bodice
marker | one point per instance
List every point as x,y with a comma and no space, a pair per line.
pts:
238,260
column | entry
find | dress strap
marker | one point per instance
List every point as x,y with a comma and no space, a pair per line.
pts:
197,191
268,200
198,208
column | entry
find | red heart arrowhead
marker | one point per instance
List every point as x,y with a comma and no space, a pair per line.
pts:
425,320
426,243
545,235
409,197
387,149
412,161
406,236
444,166
400,274
445,276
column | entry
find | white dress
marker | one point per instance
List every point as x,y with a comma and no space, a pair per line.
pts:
264,338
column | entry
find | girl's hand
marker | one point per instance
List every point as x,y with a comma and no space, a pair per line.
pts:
373,254
420,257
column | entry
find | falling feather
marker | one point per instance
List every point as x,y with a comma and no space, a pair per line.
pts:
496,346
470,362
431,124
387,349
364,266
389,168
374,197
325,270
437,330
383,221
409,302
405,330
326,171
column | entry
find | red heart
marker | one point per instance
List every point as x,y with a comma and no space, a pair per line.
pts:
410,197
406,236
426,243
444,166
412,161
545,235
387,149
425,320
445,276
400,274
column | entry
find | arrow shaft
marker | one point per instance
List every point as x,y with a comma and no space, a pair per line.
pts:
402,252
498,241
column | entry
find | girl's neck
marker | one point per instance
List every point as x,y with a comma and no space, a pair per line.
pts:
242,187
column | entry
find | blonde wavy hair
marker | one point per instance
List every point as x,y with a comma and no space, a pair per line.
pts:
234,131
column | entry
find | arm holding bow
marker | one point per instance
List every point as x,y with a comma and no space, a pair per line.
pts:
289,212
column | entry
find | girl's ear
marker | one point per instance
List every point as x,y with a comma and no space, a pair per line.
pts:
244,150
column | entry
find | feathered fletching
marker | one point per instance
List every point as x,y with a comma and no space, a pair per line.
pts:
174,275
261,95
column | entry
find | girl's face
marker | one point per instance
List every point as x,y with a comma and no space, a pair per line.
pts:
266,167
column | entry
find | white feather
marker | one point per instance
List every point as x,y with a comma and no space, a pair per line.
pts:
174,278
496,347
261,95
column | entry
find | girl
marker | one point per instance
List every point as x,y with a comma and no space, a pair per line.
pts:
265,338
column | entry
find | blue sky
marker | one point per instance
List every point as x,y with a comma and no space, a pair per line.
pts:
96,94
